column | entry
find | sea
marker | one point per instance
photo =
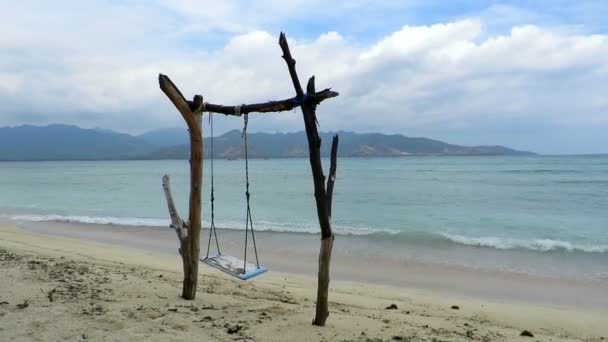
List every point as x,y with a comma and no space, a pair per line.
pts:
531,214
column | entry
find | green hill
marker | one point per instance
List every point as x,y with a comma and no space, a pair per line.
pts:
294,145
64,142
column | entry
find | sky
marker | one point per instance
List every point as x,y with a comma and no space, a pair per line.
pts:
531,75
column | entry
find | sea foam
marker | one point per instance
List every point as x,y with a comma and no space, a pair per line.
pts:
500,243
126,221
542,245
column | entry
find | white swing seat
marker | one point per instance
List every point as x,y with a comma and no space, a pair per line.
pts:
234,266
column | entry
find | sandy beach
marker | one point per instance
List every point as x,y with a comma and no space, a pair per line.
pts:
74,285
372,171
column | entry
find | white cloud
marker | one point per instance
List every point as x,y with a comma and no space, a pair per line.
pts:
409,42
98,67
10,83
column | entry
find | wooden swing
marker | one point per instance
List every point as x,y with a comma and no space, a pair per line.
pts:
226,263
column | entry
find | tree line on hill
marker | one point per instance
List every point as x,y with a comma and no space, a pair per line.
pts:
65,142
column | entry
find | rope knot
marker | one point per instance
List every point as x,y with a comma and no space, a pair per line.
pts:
300,100
245,122
237,110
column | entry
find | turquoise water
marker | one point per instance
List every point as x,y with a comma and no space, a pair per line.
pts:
542,205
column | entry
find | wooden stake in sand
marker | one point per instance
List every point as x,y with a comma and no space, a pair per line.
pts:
189,232
323,197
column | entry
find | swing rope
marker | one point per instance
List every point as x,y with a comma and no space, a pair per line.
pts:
249,220
212,229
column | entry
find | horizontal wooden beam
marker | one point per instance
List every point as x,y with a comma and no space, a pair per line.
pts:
266,107
187,108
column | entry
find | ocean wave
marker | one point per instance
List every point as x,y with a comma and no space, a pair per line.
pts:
123,221
425,238
592,181
543,171
260,225
541,245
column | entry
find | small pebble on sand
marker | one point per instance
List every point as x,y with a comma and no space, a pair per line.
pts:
526,333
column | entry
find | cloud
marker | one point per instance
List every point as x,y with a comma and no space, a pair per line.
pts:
97,65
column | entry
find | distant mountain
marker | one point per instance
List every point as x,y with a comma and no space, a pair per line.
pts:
294,145
165,137
64,142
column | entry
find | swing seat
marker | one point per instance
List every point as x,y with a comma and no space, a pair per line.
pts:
234,266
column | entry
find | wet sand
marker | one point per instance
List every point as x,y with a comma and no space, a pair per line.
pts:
353,260
77,288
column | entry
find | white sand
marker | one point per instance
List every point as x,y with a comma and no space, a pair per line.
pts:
103,292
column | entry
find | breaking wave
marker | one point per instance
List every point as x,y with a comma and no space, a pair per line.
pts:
425,238
541,245
123,221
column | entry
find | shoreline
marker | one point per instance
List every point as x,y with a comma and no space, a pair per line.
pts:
531,245
106,291
297,253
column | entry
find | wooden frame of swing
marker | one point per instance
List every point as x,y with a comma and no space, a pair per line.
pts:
188,232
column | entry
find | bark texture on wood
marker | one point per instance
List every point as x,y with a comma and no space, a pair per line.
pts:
190,248
321,193
266,107
333,161
180,227
322,309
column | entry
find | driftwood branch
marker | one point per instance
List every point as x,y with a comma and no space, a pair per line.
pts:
270,106
182,105
291,65
197,105
321,195
331,179
177,223
190,246
322,308
314,141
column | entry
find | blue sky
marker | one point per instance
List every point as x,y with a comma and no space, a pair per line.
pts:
526,74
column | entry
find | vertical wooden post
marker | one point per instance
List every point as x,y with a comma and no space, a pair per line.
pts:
327,244
189,242
323,201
